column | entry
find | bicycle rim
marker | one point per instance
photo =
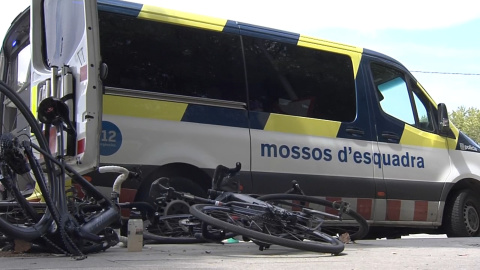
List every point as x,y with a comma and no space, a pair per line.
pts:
336,221
172,229
266,230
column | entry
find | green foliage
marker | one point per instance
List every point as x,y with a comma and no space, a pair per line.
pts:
468,121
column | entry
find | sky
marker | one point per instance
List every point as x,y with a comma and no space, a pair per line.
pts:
439,41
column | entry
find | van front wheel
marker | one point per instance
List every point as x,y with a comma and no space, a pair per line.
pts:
463,215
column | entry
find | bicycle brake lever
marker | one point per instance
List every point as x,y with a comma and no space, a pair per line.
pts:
135,173
295,189
238,167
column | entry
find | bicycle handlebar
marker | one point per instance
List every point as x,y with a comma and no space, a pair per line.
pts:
158,188
124,175
222,172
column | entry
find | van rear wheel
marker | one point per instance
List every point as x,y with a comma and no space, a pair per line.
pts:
463,215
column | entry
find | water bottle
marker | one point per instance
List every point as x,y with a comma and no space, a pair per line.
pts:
135,231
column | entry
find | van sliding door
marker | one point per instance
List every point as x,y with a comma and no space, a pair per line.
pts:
306,122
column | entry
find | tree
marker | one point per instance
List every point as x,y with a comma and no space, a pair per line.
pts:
468,121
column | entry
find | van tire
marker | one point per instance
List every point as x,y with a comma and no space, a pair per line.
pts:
462,217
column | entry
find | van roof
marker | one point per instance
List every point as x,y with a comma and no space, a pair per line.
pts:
157,13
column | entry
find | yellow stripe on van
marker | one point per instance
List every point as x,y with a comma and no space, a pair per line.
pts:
183,18
302,125
143,108
452,143
355,53
427,95
416,137
33,99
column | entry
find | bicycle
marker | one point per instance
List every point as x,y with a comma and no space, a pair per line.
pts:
231,213
158,228
339,218
60,223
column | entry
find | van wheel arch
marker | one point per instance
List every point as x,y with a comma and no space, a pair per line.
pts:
462,210
192,180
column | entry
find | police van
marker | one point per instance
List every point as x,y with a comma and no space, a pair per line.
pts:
175,94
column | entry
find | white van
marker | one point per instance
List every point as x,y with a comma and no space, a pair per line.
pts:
175,94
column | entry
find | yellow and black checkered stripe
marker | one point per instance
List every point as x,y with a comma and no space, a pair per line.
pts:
204,114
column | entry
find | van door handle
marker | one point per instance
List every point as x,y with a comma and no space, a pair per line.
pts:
390,136
356,132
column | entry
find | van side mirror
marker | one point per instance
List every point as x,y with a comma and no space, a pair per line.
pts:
444,123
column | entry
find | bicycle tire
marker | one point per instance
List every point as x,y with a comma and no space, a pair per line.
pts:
237,221
182,229
36,229
168,230
24,140
354,224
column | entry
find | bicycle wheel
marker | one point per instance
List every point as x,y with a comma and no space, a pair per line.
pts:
338,219
25,153
262,227
173,229
20,137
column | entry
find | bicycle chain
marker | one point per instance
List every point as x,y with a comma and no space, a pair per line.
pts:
67,240
268,218
50,242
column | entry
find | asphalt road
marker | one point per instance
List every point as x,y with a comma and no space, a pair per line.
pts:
411,253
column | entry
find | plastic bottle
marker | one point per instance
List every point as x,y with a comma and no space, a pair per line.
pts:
135,231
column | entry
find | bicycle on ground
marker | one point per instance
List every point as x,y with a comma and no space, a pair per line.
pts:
290,220
61,222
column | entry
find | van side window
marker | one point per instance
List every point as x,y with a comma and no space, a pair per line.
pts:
18,78
288,79
23,67
401,98
425,109
165,58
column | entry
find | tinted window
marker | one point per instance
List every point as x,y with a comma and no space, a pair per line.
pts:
293,80
165,58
